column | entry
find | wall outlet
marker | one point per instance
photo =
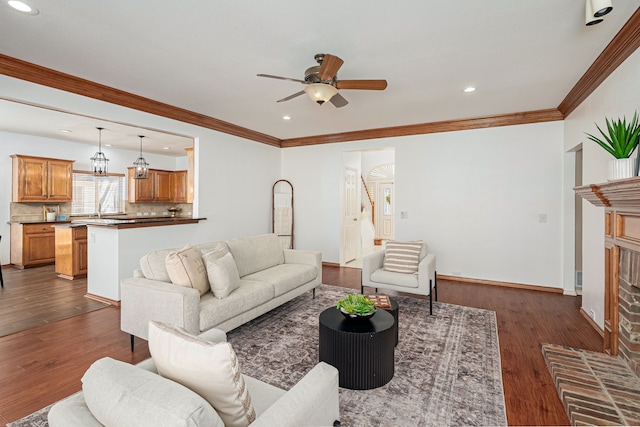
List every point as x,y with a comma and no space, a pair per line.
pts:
404,214
593,314
145,213
138,213
542,218
165,213
153,214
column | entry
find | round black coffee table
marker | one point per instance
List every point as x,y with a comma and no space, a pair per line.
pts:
361,350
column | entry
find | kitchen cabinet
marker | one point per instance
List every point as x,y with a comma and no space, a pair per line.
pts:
32,245
160,186
41,179
179,185
71,252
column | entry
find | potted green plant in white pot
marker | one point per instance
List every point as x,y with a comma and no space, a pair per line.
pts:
620,140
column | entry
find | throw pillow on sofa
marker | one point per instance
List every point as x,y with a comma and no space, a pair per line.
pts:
210,369
402,257
120,394
186,268
222,272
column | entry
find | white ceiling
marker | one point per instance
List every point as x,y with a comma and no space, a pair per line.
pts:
202,56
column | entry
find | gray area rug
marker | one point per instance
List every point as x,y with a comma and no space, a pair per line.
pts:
447,366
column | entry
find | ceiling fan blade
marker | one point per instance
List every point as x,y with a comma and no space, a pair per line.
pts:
291,96
330,66
338,100
361,84
281,78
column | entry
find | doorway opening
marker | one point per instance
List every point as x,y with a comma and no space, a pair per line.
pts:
366,230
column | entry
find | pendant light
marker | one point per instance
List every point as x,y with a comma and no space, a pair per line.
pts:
99,160
141,165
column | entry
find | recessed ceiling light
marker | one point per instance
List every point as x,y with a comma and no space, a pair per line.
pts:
22,7
65,131
469,89
286,117
108,145
165,148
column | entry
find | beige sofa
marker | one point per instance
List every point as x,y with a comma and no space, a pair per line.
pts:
269,276
125,395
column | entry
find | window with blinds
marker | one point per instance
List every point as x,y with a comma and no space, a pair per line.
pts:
91,192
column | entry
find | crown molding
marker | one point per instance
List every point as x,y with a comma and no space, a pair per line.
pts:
617,51
33,73
433,127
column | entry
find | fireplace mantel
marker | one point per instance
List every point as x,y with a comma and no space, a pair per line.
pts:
622,193
621,200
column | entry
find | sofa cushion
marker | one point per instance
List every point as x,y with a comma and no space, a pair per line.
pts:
120,394
186,268
210,369
285,277
249,295
222,272
210,246
256,253
154,265
402,257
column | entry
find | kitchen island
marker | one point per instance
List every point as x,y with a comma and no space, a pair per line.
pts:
115,247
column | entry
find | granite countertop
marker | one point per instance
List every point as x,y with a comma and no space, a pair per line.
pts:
35,221
134,222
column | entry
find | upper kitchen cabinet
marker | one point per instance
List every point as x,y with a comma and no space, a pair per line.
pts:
160,186
41,179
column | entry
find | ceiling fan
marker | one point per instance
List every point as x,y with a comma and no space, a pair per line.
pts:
323,84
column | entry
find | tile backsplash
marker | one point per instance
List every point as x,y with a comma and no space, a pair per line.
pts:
35,211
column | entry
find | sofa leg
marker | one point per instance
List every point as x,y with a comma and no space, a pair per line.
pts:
314,293
132,337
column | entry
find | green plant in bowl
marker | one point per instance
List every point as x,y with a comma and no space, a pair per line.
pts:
621,137
356,305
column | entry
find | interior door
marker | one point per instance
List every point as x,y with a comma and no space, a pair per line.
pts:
385,223
351,213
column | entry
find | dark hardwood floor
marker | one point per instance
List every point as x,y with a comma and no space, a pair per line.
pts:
43,364
36,296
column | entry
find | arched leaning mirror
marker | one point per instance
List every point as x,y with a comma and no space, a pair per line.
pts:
282,215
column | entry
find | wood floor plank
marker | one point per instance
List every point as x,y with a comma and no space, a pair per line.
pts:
44,364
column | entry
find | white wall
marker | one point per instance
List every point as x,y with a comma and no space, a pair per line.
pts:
475,197
617,96
233,176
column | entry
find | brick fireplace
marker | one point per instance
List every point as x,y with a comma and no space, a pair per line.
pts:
598,388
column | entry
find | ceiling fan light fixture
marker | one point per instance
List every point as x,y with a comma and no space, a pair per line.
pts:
99,161
320,92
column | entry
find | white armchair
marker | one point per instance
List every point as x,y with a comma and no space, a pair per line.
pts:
423,282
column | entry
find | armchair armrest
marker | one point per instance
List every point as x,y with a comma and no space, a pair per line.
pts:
426,272
313,401
143,300
299,256
371,263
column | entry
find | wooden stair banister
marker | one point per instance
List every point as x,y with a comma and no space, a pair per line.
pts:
373,204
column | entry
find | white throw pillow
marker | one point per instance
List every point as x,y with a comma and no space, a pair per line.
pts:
402,257
186,268
222,272
210,369
120,394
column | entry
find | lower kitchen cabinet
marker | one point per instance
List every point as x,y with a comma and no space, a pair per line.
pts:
71,252
32,245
